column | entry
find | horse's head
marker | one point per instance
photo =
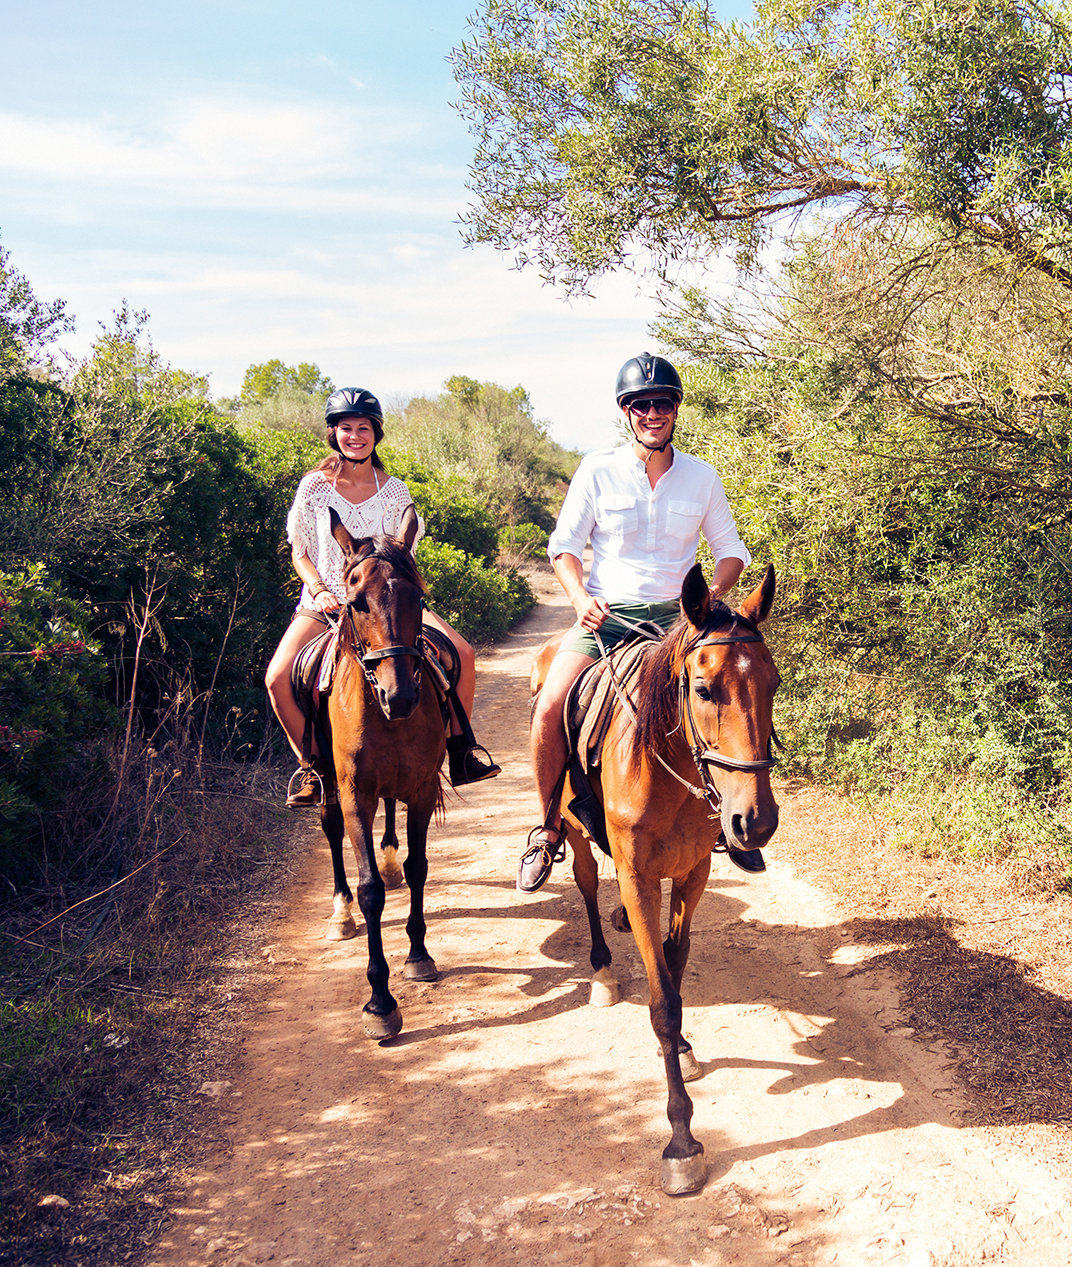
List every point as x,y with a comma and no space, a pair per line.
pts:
382,621
726,685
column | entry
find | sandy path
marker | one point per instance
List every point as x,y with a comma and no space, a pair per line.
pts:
511,1123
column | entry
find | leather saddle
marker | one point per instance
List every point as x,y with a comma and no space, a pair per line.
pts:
587,715
313,672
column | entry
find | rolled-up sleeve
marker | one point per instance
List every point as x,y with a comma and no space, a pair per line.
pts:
718,527
577,517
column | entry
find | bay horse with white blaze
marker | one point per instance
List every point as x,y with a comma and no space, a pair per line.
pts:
387,735
701,710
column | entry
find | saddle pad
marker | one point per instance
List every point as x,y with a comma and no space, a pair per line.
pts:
314,671
590,702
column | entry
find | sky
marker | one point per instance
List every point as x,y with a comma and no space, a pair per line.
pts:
285,180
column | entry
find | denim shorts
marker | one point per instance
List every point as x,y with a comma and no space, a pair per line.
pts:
612,631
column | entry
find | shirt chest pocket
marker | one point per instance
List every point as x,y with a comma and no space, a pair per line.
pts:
616,516
683,520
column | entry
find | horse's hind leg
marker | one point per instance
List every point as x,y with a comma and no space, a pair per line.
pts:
604,990
391,871
420,966
341,926
683,1169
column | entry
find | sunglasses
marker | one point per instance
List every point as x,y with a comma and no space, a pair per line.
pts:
658,404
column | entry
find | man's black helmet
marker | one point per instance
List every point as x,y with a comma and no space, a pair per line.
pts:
645,372
352,400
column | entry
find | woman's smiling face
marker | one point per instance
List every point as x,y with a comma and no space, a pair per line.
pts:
355,437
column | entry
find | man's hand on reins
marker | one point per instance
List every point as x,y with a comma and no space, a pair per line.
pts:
591,612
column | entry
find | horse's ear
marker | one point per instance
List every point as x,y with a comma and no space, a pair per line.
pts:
407,532
758,604
695,597
346,542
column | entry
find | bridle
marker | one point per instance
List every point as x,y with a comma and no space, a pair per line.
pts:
703,754
369,659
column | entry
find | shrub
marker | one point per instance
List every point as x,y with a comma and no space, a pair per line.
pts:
50,700
481,602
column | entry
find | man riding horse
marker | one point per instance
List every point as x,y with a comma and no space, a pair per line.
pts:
642,506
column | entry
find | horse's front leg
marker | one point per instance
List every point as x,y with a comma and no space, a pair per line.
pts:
420,966
684,898
341,926
380,1017
683,1169
604,988
391,871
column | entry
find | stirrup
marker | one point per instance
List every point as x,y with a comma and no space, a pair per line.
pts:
299,774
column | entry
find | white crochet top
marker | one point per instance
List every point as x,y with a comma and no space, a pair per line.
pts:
309,526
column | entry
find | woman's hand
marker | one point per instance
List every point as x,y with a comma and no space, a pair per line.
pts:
326,602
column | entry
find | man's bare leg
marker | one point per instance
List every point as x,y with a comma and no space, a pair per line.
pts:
549,752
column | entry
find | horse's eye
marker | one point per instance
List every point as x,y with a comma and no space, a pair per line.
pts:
700,689
359,603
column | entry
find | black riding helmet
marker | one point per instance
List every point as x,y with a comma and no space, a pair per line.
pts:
644,373
346,401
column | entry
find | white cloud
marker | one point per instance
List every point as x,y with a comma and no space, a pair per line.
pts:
223,153
398,321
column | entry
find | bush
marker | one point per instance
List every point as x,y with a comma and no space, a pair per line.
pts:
50,700
481,602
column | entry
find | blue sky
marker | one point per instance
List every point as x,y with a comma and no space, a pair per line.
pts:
284,180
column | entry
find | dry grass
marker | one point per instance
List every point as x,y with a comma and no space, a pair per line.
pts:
983,952
104,1009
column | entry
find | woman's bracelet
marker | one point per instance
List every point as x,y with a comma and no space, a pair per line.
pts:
318,587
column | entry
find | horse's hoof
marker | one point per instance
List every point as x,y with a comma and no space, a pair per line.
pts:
382,1026
421,970
604,989
391,872
341,930
690,1066
619,919
680,1175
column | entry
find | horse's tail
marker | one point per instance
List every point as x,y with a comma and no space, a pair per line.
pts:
439,814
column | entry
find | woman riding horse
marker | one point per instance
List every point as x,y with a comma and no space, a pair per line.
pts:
352,481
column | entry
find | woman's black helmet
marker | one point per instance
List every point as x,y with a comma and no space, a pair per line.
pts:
644,373
352,400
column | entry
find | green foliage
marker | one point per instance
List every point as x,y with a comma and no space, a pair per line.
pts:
281,397
51,677
263,382
485,436
27,325
919,522
608,132
481,602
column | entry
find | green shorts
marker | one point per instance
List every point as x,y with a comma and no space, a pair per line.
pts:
612,631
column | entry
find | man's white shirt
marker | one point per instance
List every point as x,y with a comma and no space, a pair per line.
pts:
644,539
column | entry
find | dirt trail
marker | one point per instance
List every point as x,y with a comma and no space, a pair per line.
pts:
511,1123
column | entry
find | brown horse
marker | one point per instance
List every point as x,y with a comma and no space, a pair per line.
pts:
387,735
701,711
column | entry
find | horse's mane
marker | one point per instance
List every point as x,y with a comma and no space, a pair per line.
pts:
657,700
393,552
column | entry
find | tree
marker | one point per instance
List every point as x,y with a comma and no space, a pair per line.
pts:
263,383
617,132
27,325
